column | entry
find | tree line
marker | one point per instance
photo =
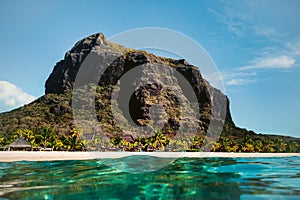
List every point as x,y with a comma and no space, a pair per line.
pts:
73,141
45,138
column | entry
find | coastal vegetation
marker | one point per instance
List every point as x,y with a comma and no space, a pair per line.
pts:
45,138
73,141
160,142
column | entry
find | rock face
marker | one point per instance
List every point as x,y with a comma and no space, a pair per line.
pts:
64,74
135,99
154,97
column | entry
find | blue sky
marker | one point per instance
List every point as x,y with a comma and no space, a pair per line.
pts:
255,45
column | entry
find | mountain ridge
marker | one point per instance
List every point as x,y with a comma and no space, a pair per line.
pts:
55,109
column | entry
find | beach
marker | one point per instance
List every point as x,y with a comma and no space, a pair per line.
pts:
13,156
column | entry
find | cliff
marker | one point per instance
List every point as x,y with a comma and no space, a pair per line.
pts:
123,90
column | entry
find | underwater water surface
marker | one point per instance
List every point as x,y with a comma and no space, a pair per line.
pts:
184,178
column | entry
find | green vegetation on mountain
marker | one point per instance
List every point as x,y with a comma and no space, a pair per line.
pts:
49,121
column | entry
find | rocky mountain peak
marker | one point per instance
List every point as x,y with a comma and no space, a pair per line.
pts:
64,73
89,43
144,100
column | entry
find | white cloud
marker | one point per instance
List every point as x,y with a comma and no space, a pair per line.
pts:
234,20
12,96
240,81
239,78
264,31
271,62
243,23
232,78
294,47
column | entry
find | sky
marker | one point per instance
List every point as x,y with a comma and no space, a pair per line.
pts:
254,44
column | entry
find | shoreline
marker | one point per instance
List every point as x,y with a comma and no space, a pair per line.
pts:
14,156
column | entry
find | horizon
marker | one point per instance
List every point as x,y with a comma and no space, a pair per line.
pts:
255,45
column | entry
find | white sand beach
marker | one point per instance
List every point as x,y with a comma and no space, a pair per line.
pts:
12,156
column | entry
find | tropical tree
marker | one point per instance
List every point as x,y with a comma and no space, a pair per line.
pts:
280,145
5,139
159,141
29,136
216,147
46,137
247,144
224,143
58,143
73,141
293,147
233,146
258,146
268,146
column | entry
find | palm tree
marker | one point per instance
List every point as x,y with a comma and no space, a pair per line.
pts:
29,136
160,140
247,144
258,146
45,136
117,140
268,146
26,134
249,147
5,139
293,147
280,145
196,142
74,140
58,144
224,143
232,146
216,147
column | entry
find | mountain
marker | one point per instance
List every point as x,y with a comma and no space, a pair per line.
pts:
130,96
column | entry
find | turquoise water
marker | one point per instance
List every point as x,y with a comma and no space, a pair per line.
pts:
185,178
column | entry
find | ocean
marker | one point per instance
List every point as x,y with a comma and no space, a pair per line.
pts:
182,178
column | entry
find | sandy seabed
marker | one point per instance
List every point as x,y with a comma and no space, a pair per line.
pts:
12,156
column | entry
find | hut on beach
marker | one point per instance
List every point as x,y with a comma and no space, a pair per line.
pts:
20,144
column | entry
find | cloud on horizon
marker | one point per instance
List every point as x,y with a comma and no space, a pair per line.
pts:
239,78
271,62
269,49
240,81
11,96
232,78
